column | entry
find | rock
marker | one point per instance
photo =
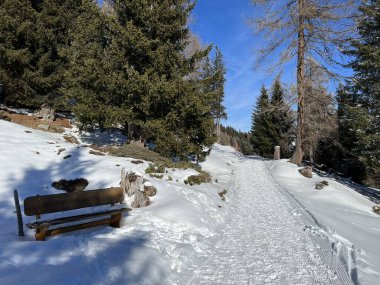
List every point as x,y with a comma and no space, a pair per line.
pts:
141,200
71,139
56,129
94,152
69,186
46,113
139,143
307,171
43,126
321,185
376,209
277,153
137,161
61,150
150,190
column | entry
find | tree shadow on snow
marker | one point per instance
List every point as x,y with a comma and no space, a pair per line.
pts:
100,255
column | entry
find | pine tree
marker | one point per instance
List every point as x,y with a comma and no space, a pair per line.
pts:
281,119
213,76
262,126
218,110
19,51
350,119
58,20
366,86
167,105
95,86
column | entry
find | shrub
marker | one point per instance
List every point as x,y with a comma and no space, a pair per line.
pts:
203,177
155,168
136,152
156,176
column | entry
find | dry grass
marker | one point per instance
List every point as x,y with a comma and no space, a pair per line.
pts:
56,126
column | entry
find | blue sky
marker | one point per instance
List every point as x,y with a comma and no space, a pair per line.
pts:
224,23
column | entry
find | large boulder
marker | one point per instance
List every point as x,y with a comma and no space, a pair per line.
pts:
46,113
306,171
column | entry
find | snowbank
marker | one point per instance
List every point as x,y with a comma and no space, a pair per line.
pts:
152,243
344,215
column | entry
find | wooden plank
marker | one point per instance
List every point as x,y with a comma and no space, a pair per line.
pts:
64,220
62,230
38,205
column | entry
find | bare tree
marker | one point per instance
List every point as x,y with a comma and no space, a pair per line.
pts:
304,29
320,116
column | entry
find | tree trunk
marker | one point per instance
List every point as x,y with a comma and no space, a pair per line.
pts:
299,152
218,130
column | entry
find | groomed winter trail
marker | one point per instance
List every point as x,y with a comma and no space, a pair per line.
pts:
266,240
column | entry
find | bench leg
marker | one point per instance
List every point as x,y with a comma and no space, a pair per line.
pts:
41,233
115,220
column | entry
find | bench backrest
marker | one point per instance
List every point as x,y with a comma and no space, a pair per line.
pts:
38,205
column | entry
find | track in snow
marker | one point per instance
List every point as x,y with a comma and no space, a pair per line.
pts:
266,241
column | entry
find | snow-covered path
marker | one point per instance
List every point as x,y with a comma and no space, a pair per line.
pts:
265,241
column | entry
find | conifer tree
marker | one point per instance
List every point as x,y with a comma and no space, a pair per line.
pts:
281,119
366,86
218,109
214,72
19,50
262,126
350,119
167,105
95,86
58,20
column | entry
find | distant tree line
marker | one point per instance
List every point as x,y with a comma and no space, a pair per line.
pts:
237,139
133,64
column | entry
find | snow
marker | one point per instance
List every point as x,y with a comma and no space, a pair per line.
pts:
152,243
344,215
273,228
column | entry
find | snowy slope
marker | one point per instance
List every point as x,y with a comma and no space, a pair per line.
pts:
343,215
274,227
153,242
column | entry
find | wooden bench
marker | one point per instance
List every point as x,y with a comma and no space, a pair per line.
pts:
38,205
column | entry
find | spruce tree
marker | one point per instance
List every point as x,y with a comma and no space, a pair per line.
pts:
168,106
281,119
20,33
95,87
262,126
366,86
219,72
58,20
350,119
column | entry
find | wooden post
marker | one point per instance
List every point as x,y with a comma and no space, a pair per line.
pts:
277,154
123,183
19,216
